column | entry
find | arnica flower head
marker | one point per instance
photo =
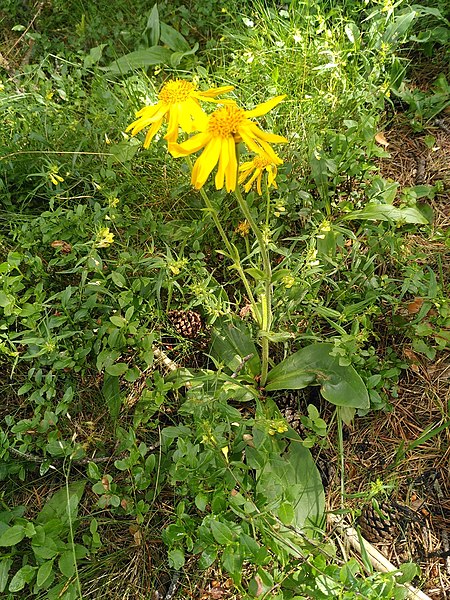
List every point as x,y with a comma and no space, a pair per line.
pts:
179,105
219,134
256,167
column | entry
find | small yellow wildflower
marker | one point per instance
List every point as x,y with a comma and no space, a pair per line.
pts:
258,165
219,134
243,228
288,281
179,105
53,175
225,451
176,266
113,201
277,426
104,238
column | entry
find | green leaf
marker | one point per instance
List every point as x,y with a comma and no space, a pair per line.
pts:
21,578
208,556
201,501
153,29
123,152
118,321
221,532
117,369
66,563
172,38
387,212
5,566
232,559
12,535
176,558
118,279
177,57
231,343
313,365
44,572
292,478
286,513
140,59
111,393
63,505
409,571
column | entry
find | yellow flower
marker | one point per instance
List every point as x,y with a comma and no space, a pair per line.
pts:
243,228
288,281
104,238
53,175
258,165
179,105
219,134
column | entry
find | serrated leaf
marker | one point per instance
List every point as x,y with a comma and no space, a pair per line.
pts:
314,365
140,59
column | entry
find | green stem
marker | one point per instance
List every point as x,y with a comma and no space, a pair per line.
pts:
232,251
266,297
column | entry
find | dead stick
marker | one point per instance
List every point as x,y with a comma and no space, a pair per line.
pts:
377,560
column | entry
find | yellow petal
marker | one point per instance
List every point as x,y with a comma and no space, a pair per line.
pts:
264,108
191,145
223,163
258,184
152,132
172,127
216,91
206,163
272,138
232,167
147,116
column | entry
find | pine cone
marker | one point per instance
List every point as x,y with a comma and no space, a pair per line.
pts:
186,322
385,523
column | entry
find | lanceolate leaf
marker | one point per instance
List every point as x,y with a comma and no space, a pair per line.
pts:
140,59
313,365
387,212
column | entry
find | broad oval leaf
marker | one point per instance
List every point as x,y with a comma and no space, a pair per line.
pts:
12,535
232,344
313,365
